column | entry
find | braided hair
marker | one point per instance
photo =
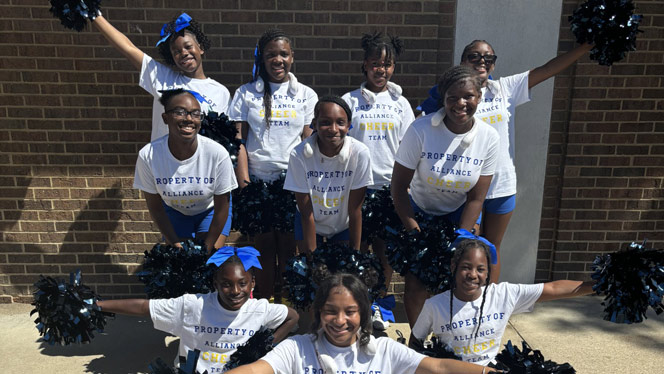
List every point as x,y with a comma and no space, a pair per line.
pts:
193,29
455,75
461,249
268,36
471,45
374,45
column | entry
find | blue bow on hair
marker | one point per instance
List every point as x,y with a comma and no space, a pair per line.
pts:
198,96
180,23
248,256
254,71
465,234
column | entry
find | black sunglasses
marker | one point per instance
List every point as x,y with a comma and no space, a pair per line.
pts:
476,57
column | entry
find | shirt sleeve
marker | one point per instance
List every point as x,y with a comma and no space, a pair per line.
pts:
225,176
296,180
143,177
238,111
151,70
275,315
282,357
516,88
403,358
168,314
312,99
489,166
423,325
410,149
363,176
407,117
524,296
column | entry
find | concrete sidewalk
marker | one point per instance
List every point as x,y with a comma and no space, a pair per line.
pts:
565,331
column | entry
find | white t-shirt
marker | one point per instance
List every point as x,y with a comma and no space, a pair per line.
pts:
329,180
444,170
499,101
292,109
156,76
202,323
380,123
296,355
188,186
502,300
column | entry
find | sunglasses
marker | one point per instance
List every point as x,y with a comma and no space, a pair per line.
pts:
476,57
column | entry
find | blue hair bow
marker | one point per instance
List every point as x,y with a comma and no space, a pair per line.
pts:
180,23
248,256
198,96
254,71
465,234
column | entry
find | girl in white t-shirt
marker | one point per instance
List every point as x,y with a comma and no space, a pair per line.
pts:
472,316
182,46
444,166
218,322
499,101
186,178
273,113
329,173
341,341
381,116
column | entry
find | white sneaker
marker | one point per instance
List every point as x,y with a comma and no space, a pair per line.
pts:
377,319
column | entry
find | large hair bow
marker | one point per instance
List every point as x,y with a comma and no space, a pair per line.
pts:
180,23
248,256
465,234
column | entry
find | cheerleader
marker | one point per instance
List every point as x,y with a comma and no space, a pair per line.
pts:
472,316
341,341
444,166
381,116
329,173
273,113
185,177
218,322
182,46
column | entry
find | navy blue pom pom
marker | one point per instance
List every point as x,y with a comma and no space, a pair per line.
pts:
425,254
632,281
223,131
301,288
187,366
74,14
263,206
256,347
610,25
67,312
171,271
437,348
377,213
528,361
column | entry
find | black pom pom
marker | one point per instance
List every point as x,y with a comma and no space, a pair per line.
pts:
256,347
632,280
426,254
223,131
528,361
299,281
74,14
67,312
377,213
187,366
262,206
172,272
437,349
610,25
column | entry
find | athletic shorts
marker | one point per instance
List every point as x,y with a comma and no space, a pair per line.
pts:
188,226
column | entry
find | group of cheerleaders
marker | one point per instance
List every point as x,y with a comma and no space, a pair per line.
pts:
449,162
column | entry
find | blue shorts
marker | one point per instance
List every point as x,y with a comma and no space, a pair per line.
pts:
500,205
299,234
188,226
453,216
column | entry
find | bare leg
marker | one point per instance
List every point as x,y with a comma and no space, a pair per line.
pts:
494,226
266,244
413,298
378,247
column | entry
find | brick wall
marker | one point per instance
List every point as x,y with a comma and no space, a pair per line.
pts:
73,117
604,184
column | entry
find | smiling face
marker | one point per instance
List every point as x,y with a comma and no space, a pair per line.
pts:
233,285
187,54
340,317
461,101
332,124
182,128
471,274
277,60
480,65
379,70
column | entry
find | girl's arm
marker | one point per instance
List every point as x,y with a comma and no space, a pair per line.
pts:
306,132
355,216
561,289
401,178
158,214
306,209
119,41
289,323
132,307
556,65
242,169
430,365
258,367
219,218
474,201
